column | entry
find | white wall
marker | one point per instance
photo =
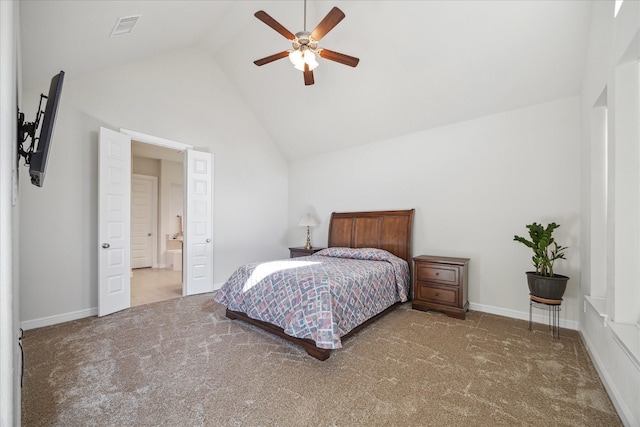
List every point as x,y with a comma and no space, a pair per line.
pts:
182,96
614,347
474,185
9,217
145,166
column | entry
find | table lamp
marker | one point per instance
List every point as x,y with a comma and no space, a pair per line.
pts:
308,221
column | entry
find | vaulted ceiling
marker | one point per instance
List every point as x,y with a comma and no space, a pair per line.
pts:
423,64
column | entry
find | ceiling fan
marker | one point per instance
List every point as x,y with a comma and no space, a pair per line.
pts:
305,44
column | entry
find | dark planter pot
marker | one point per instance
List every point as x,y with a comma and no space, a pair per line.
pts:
547,287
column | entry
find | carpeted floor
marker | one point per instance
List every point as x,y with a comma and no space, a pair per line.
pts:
183,363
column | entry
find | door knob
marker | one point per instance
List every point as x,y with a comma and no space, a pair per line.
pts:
208,240
148,234
106,245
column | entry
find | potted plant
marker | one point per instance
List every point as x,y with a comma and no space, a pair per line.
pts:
543,282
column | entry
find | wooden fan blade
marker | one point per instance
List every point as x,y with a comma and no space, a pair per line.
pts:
308,75
271,58
332,19
338,57
267,19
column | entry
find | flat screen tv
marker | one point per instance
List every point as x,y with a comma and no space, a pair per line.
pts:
36,155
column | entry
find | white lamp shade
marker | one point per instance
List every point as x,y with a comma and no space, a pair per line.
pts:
310,59
296,58
308,220
301,57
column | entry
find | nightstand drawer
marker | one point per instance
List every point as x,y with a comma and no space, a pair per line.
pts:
438,295
438,273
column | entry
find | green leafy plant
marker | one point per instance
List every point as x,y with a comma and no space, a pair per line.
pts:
545,249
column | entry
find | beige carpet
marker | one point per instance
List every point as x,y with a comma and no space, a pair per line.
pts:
182,363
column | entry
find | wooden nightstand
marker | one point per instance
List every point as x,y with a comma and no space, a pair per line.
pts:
441,283
301,251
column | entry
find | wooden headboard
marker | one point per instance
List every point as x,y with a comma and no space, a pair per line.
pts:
388,230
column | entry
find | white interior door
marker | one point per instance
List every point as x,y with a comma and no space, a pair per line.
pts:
142,220
198,224
114,221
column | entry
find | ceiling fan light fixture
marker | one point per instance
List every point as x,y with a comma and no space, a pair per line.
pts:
295,56
301,57
310,59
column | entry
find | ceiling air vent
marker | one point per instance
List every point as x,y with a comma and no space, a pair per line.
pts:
125,25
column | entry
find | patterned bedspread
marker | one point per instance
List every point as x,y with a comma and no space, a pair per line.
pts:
320,297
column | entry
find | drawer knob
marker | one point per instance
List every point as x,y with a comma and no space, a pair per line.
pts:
437,273
437,294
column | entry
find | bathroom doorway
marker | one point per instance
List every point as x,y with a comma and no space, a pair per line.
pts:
156,223
114,218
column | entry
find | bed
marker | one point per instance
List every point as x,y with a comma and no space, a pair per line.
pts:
320,300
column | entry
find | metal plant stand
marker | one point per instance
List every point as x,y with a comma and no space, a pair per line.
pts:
553,306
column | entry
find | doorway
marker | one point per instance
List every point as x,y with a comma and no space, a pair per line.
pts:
114,218
157,200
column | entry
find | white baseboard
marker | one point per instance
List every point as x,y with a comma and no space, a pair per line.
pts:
58,318
75,315
623,411
523,315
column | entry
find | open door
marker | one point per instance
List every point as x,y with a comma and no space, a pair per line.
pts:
114,220
198,226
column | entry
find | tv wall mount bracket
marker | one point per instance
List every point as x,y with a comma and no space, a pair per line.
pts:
26,130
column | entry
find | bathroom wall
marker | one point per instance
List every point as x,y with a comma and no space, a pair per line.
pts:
145,166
